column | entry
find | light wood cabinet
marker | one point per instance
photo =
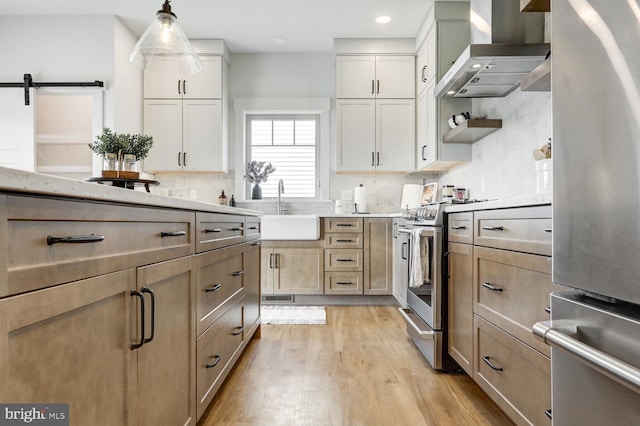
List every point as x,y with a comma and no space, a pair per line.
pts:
375,76
252,287
343,258
460,294
378,256
187,118
166,360
292,270
70,343
375,135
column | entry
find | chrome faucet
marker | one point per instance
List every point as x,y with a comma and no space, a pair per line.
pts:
280,192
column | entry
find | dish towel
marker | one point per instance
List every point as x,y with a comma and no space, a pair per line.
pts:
415,259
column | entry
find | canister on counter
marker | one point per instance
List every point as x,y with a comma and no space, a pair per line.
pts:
447,192
459,194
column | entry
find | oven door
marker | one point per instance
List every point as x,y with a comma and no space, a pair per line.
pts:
424,297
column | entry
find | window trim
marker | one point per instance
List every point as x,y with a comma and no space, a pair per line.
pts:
311,106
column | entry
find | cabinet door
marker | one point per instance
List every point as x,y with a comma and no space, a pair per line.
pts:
355,77
378,258
395,135
166,364
70,344
206,84
266,271
163,121
425,148
299,271
202,136
252,285
356,138
395,77
460,293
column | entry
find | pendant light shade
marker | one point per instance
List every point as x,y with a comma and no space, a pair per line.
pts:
164,48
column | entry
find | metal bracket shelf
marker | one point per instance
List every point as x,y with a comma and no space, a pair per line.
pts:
471,130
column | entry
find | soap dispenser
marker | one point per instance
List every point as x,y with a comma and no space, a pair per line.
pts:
222,199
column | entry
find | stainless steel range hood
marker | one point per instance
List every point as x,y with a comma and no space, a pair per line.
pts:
506,45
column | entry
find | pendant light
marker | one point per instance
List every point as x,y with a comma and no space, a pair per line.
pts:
164,48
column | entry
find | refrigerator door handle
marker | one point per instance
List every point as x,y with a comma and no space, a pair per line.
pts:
556,334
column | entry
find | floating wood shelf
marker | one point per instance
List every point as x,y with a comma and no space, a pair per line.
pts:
470,131
535,5
538,80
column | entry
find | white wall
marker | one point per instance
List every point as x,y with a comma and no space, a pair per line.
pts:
504,159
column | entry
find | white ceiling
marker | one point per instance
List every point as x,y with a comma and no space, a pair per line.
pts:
253,25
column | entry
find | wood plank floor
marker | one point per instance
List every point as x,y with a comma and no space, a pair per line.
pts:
359,369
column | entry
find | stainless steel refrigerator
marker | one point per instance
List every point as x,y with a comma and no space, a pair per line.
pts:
595,328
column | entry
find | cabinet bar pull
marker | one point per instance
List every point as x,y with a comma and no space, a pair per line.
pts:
424,74
424,157
343,282
77,239
547,230
548,309
548,413
344,241
277,260
378,158
493,228
373,157
271,261
490,364
255,244
184,159
179,155
153,313
216,360
237,331
238,273
458,227
141,296
373,86
378,91
491,287
238,228
184,87
179,88
215,287
173,234
344,260
253,228
209,230
404,252
344,224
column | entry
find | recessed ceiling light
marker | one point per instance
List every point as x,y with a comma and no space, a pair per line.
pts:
451,92
383,19
476,66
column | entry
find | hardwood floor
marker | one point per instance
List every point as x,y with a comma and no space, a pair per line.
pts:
359,369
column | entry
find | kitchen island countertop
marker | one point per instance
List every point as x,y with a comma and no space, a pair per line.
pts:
19,181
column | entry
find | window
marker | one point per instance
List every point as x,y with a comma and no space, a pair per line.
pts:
289,142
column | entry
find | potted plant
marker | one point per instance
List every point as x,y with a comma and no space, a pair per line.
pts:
121,152
256,173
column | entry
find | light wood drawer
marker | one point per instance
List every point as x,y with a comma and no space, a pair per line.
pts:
215,350
526,229
343,241
343,260
512,290
343,224
343,283
214,230
520,380
220,275
252,226
42,235
460,228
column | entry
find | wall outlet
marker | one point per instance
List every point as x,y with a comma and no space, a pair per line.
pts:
193,194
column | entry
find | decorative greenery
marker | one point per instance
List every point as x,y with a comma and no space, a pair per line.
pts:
110,142
258,171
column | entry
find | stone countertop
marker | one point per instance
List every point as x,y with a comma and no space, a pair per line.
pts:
365,215
532,200
19,181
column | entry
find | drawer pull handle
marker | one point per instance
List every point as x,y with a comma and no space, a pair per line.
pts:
238,273
458,227
238,228
216,287
216,360
237,331
253,228
256,244
344,241
77,239
487,361
211,231
141,296
549,230
344,260
492,287
344,224
173,234
493,228
548,309
548,413
343,282
153,313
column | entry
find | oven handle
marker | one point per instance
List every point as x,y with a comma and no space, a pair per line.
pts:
427,230
424,334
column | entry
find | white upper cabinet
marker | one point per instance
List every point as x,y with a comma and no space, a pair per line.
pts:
206,84
371,76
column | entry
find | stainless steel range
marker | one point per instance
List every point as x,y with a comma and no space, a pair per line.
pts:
419,252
